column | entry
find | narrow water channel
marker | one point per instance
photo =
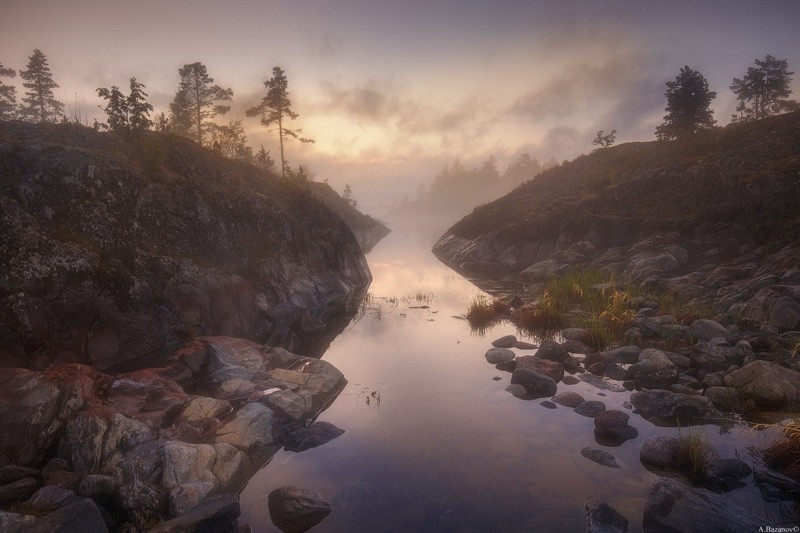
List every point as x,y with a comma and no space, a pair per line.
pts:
434,443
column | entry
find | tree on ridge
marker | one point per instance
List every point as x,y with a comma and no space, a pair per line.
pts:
688,101
276,108
766,87
39,105
8,94
197,102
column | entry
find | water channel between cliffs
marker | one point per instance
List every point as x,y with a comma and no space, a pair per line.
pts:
434,443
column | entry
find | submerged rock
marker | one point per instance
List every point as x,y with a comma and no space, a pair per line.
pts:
590,408
537,385
508,341
602,518
600,457
315,435
498,356
613,425
672,506
294,510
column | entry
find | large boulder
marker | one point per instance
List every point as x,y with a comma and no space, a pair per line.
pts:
674,407
552,351
704,329
769,385
673,507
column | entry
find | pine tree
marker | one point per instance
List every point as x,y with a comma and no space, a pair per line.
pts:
766,87
347,194
264,160
39,105
688,101
8,95
138,108
129,114
276,108
196,102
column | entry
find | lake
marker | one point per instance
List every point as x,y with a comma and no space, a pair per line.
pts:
434,443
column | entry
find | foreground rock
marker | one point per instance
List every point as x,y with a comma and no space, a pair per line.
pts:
155,450
673,407
672,506
295,510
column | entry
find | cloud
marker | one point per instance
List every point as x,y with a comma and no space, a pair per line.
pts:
330,46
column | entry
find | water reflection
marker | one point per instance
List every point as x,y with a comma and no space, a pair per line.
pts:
433,441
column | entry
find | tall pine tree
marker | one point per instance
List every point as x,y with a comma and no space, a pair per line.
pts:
129,114
8,95
688,101
39,105
197,102
276,108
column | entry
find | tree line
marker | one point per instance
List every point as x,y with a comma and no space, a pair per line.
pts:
197,102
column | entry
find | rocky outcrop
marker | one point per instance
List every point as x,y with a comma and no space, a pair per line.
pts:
154,444
113,254
368,231
714,221
767,384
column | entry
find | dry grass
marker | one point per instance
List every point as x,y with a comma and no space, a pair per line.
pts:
783,455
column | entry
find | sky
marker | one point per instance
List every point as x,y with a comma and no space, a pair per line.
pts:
392,91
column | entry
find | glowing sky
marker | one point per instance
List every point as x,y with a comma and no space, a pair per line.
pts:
393,90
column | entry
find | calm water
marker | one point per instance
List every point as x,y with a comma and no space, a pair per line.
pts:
434,443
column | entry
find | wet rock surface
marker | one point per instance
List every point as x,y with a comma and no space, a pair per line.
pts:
141,444
295,510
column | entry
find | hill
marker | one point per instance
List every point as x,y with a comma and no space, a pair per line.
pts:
113,253
714,218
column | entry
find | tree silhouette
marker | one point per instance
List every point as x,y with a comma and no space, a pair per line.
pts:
196,102
688,101
231,141
604,141
39,103
276,108
8,94
766,88
264,160
347,194
129,114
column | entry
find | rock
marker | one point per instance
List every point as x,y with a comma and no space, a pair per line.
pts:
82,516
568,399
200,410
315,435
517,390
543,270
552,351
713,358
218,513
520,345
769,385
673,506
599,383
497,356
704,329
508,341
600,457
18,489
602,518
654,370
250,427
616,372
97,487
613,424
48,499
548,405
9,473
570,380
661,451
538,385
598,369
15,522
725,474
624,355
294,510
590,408
724,398
543,366
673,407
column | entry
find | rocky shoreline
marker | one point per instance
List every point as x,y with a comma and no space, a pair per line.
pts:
174,443
719,375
